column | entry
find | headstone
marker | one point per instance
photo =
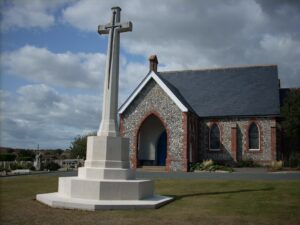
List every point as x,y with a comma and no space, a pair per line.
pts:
106,181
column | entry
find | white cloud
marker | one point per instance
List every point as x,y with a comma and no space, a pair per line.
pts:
285,51
29,14
39,114
82,70
87,14
284,45
132,74
201,34
69,70
184,35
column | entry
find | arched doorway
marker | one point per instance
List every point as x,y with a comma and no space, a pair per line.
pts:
152,143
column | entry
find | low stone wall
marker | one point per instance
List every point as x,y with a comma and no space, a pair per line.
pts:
6,164
64,163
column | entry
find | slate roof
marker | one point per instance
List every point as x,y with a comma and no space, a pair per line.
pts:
240,91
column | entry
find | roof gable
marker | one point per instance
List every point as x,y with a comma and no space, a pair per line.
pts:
162,84
241,91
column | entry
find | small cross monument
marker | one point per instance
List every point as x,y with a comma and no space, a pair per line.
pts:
109,126
106,181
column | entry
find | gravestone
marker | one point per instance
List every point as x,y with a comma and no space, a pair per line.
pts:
106,181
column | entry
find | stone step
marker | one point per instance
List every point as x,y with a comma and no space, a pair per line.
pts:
75,187
105,173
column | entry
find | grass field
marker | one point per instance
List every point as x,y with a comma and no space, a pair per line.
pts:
196,202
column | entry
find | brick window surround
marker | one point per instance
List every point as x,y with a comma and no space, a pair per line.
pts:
260,136
221,136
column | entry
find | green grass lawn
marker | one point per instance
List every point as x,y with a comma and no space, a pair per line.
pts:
196,202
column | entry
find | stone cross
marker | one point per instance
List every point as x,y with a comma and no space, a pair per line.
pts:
108,125
37,161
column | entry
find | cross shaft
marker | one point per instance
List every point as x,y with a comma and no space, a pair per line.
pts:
108,125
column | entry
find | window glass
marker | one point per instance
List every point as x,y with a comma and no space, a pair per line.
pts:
253,137
214,137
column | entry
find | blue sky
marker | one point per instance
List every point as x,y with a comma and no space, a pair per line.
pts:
53,60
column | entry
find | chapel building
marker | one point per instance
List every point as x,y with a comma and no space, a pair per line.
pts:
176,118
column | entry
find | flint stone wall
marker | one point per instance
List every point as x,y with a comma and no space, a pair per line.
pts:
264,156
152,99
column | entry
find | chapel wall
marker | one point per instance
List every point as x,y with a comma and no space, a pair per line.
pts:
194,140
153,100
264,156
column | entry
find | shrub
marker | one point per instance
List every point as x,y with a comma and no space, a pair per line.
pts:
206,164
247,163
52,166
192,167
16,166
2,168
32,168
28,165
24,158
209,165
290,121
78,146
293,160
7,157
26,155
276,165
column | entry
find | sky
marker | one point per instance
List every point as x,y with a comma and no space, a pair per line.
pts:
52,59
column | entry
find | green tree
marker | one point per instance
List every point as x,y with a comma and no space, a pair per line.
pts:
78,146
290,113
7,157
52,166
26,155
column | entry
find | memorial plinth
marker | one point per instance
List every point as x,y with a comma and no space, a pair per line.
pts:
106,181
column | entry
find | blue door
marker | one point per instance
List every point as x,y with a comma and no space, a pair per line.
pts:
162,149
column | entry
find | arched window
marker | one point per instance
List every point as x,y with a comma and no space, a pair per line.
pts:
214,137
253,136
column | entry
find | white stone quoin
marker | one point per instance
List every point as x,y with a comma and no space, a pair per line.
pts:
106,181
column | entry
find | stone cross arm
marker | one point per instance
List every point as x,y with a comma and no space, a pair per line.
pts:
121,27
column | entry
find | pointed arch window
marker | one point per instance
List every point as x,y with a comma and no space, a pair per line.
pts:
214,138
253,137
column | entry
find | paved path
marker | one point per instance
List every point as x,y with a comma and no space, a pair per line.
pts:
240,174
221,176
